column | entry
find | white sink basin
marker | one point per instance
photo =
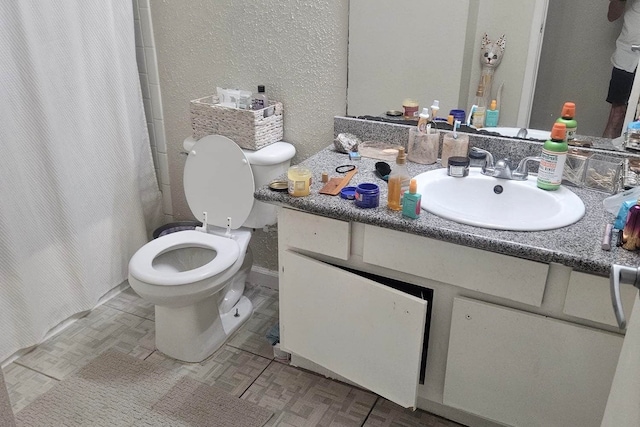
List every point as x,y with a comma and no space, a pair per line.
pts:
495,203
538,134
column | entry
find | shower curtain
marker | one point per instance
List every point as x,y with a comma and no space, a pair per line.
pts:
78,191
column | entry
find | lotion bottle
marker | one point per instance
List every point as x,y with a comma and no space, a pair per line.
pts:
411,201
554,155
398,181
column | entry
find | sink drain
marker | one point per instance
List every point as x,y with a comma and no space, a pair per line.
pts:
498,189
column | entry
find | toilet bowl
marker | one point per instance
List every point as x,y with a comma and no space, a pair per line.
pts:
196,278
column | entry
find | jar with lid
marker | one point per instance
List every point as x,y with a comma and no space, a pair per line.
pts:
299,178
477,159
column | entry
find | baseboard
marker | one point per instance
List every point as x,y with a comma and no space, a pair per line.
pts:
264,277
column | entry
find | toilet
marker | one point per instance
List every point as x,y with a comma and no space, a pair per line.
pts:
196,278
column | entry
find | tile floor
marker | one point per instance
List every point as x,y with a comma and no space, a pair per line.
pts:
244,367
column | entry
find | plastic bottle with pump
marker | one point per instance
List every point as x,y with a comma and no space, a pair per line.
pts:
398,181
435,107
411,201
554,155
567,117
492,115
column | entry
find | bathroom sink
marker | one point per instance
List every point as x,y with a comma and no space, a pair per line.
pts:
536,134
499,204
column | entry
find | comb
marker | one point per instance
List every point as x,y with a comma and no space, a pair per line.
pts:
334,185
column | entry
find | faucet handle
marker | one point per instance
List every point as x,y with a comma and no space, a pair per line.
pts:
522,171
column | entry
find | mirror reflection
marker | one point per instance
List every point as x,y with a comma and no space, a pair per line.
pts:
554,52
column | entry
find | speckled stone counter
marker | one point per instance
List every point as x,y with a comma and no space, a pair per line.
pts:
576,246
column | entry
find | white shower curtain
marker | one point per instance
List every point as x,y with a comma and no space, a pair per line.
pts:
78,192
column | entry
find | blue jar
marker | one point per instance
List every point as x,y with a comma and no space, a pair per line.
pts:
367,195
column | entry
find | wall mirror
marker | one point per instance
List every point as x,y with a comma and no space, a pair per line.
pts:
555,52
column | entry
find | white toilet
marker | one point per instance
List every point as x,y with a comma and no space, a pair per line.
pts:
196,278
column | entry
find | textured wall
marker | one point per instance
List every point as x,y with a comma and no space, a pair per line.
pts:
297,48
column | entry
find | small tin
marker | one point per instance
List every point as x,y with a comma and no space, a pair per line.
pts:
367,195
458,167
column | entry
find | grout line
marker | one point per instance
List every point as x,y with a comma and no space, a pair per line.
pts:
242,395
370,411
37,371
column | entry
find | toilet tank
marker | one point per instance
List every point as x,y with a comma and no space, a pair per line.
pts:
267,164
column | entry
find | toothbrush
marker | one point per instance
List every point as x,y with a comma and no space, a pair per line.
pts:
471,111
456,125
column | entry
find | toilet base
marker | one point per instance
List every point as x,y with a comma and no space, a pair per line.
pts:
195,332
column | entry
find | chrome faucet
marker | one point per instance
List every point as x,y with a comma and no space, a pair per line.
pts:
502,168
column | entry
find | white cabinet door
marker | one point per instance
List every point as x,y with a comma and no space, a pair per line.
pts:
623,406
523,369
362,330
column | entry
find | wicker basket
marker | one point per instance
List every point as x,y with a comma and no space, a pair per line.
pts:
249,129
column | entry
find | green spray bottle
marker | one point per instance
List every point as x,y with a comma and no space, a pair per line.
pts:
567,117
554,154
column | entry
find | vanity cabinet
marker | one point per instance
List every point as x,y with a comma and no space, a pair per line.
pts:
510,341
523,369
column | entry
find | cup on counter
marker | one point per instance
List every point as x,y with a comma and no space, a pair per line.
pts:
423,147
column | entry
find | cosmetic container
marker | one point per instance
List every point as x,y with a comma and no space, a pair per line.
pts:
491,115
458,167
477,159
410,107
299,181
411,201
367,195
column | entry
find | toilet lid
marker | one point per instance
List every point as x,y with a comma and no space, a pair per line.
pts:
218,180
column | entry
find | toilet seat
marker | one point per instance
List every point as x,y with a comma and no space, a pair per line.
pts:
141,264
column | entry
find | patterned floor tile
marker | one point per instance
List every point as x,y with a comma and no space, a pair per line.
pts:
388,414
251,336
24,385
129,302
300,398
228,369
85,339
264,300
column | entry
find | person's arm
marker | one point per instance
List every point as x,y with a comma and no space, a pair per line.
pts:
616,9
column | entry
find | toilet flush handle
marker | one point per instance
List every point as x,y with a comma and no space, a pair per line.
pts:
205,223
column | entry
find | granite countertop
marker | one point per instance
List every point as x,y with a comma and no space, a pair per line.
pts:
577,246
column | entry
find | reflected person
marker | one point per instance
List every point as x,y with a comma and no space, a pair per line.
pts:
624,61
